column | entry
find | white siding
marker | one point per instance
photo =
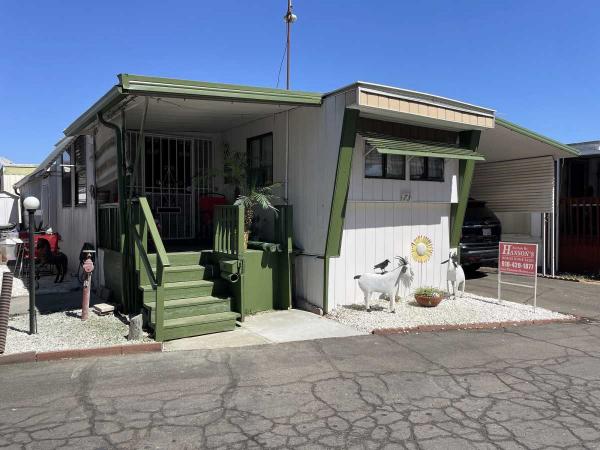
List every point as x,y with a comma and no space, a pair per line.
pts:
314,146
377,231
9,209
313,139
523,185
378,226
76,224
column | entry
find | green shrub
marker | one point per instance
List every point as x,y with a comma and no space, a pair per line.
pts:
428,291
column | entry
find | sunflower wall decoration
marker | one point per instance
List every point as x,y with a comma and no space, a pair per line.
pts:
421,249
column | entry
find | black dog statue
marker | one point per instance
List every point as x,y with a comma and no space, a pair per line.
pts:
58,260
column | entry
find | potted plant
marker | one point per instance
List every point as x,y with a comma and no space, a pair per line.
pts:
256,197
429,296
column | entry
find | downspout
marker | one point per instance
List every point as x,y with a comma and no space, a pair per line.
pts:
122,209
287,155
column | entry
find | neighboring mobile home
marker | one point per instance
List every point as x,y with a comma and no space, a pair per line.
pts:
365,172
579,221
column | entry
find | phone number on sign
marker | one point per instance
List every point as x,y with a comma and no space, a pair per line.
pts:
516,265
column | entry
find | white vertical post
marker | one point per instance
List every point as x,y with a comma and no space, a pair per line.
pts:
543,244
499,285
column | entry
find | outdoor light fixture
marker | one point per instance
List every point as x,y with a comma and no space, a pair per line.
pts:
31,204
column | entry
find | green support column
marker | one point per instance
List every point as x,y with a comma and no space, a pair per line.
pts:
470,139
340,196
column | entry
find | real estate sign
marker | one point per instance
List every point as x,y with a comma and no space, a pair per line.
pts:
518,259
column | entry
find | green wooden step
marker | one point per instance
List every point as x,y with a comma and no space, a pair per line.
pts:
187,289
175,274
188,307
195,326
178,258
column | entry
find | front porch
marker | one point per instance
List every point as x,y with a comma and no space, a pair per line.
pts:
171,243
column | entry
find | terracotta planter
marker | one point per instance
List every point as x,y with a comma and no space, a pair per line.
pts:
429,301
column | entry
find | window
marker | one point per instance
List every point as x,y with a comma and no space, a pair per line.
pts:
260,160
379,165
67,199
427,169
80,171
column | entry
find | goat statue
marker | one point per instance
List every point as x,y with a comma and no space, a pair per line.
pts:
456,274
386,283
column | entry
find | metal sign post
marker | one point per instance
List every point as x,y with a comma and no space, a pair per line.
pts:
518,259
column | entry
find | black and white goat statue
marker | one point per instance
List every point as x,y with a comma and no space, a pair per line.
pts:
456,275
386,283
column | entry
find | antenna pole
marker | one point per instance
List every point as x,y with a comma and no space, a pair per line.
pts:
289,18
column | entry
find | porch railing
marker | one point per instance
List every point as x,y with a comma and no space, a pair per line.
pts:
229,230
109,229
142,224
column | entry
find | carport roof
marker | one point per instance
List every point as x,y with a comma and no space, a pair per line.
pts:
171,87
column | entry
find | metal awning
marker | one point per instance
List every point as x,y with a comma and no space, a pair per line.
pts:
398,146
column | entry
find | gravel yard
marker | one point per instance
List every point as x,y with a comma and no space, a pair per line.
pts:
468,309
18,289
65,330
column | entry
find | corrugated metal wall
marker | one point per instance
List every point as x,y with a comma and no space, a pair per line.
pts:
522,185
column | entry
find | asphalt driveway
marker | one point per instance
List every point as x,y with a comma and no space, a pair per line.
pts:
530,387
578,298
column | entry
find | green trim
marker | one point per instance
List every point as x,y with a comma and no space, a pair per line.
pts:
128,298
465,177
188,88
340,195
397,146
538,137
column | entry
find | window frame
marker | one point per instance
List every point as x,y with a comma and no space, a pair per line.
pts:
426,177
78,169
261,167
66,173
384,165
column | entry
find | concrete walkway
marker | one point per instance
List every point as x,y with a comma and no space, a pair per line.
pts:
269,328
530,387
571,297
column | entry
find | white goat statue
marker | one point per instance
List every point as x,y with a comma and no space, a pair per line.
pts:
456,275
386,283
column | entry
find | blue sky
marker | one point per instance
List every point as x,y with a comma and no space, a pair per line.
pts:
535,62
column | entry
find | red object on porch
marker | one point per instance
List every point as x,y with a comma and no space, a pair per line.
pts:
207,203
579,234
51,238
206,208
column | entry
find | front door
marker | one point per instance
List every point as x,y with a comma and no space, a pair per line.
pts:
176,170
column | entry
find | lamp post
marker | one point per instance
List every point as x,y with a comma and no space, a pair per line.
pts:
31,204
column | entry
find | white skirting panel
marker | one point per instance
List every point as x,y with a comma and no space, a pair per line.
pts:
308,278
374,232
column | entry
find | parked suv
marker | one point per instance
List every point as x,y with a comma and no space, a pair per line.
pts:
480,236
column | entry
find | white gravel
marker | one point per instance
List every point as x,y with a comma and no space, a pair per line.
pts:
18,289
66,330
468,309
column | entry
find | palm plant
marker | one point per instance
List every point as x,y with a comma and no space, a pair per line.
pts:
257,197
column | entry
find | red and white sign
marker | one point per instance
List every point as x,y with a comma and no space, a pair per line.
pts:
518,259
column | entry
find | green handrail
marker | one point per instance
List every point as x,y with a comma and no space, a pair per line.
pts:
229,230
143,224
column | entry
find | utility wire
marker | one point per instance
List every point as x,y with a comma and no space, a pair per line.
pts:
281,65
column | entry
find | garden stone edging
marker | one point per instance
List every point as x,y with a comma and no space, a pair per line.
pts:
474,326
114,350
